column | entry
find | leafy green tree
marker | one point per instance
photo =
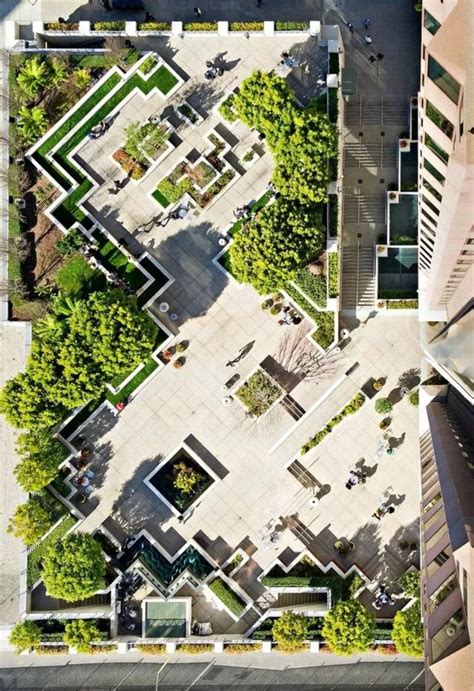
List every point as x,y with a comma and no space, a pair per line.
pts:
185,478
35,472
58,71
33,76
25,635
273,245
40,442
30,521
383,406
266,102
25,404
410,582
407,633
348,628
74,568
301,172
71,242
81,633
32,123
290,631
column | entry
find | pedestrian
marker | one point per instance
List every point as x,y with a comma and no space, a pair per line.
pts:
366,24
379,56
372,58
350,26
367,39
197,12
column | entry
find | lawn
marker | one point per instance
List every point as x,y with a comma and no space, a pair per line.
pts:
226,595
35,557
115,260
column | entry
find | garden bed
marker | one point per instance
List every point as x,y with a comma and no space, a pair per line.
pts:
165,479
333,267
115,260
35,557
349,409
227,596
258,393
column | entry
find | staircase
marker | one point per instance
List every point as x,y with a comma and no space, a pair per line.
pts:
358,278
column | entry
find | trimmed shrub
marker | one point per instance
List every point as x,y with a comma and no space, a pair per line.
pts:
333,266
246,26
408,631
238,648
291,26
226,110
314,287
81,633
414,397
230,599
109,26
410,583
52,650
151,648
290,631
25,635
402,304
194,648
352,407
383,406
200,26
348,628
154,26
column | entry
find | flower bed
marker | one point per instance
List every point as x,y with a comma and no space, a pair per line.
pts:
246,26
258,393
200,26
226,595
351,408
333,267
154,26
291,26
132,168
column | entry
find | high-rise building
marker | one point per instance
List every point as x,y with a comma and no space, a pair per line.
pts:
446,304
446,174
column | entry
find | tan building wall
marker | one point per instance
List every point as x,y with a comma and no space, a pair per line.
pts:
446,205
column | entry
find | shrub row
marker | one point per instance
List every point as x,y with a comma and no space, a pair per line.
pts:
226,595
151,648
323,320
333,267
246,26
118,25
291,26
402,305
200,26
195,648
314,287
154,26
396,293
351,408
334,583
236,648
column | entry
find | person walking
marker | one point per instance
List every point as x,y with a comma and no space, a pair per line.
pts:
197,12
350,26
366,24
372,58
367,39
380,56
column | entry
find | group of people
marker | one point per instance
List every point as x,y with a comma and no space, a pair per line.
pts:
290,318
98,130
367,39
355,476
213,70
382,598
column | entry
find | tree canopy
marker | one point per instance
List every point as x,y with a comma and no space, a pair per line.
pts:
25,635
81,633
348,628
290,630
74,568
70,362
407,633
30,521
272,246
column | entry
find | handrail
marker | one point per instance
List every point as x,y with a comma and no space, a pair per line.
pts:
357,275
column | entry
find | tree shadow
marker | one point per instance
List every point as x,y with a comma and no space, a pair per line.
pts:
410,378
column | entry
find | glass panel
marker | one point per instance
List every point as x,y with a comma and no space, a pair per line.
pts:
438,561
439,120
434,172
432,520
434,501
430,23
430,205
446,635
436,149
443,80
432,190
441,593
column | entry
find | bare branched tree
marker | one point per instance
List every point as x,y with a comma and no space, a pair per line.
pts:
297,356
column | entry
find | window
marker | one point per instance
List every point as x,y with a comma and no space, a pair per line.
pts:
438,561
434,172
430,23
430,218
436,537
432,190
443,591
464,588
443,80
436,149
439,120
434,501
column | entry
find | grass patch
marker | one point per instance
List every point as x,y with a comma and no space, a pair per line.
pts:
74,275
226,595
160,198
36,556
149,367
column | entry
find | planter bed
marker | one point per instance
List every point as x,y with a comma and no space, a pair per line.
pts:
81,416
161,481
264,631
402,304
200,26
333,268
246,26
240,648
61,26
291,26
154,26
352,407
227,596
118,25
115,260
314,287
35,557
250,393
324,335
59,484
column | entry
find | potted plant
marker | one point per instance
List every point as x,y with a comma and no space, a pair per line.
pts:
383,406
385,423
266,304
181,346
275,309
168,354
377,385
179,362
342,547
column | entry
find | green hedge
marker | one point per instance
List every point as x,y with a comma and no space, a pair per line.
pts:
334,583
324,335
314,287
230,599
246,26
291,26
397,294
154,26
333,214
352,407
118,25
200,26
333,267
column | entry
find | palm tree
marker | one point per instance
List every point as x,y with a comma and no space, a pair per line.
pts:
66,305
33,76
32,123
59,72
82,78
48,327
